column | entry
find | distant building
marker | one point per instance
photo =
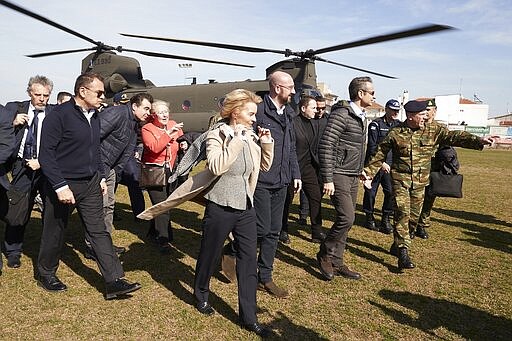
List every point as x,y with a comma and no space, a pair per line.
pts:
374,111
457,110
503,120
330,97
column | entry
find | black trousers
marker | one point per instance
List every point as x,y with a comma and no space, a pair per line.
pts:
344,201
269,206
311,188
28,181
3,212
217,223
383,179
129,177
89,204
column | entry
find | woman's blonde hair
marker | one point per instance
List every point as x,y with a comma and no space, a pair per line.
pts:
235,100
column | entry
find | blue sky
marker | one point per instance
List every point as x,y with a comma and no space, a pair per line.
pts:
475,59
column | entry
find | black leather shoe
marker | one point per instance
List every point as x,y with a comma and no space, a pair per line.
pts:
404,262
51,283
14,261
318,237
284,238
412,234
344,271
370,222
205,308
257,329
325,265
120,287
421,232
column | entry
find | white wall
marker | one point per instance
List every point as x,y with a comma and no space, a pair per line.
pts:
449,110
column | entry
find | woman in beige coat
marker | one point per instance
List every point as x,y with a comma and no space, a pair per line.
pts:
235,154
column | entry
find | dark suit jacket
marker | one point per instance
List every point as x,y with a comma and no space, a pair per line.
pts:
12,109
307,136
7,145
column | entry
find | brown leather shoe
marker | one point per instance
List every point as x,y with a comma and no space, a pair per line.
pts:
228,265
325,265
273,289
344,271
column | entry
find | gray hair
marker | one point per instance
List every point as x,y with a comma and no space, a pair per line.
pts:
43,80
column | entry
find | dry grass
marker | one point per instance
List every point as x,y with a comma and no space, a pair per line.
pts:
461,288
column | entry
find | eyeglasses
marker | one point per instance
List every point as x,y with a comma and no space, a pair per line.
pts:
320,108
163,112
369,92
289,87
99,93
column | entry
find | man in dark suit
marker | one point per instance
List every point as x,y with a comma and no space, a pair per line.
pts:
6,148
73,129
308,131
27,118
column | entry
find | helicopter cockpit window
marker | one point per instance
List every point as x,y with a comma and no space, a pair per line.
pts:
308,90
186,105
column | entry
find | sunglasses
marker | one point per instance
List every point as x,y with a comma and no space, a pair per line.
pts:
369,92
99,93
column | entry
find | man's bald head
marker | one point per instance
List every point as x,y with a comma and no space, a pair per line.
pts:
281,87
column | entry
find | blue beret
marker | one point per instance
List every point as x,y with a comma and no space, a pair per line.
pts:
415,106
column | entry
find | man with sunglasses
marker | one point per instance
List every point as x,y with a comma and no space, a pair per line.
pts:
341,155
71,161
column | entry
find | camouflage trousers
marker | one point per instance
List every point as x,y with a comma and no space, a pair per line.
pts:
408,202
426,209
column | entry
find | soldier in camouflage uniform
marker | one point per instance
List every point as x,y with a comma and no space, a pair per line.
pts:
445,161
413,144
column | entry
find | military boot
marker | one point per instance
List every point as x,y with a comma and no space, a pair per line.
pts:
370,222
394,250
421,232
404,262
385,225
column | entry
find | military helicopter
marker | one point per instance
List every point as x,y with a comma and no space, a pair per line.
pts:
196,104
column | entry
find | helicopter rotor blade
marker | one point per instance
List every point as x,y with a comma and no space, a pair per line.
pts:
209,44
55,53
46,21
427,29
354,68
172,56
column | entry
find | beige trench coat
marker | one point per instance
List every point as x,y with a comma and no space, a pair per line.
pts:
193,186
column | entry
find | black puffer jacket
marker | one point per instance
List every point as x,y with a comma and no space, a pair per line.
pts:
341,148
118,136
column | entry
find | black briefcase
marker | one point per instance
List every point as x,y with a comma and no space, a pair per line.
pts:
445,185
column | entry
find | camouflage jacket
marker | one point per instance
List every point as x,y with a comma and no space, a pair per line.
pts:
412,150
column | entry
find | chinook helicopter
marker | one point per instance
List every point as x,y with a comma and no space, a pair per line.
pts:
197,104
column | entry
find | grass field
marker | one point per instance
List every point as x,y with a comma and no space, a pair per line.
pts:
460,289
